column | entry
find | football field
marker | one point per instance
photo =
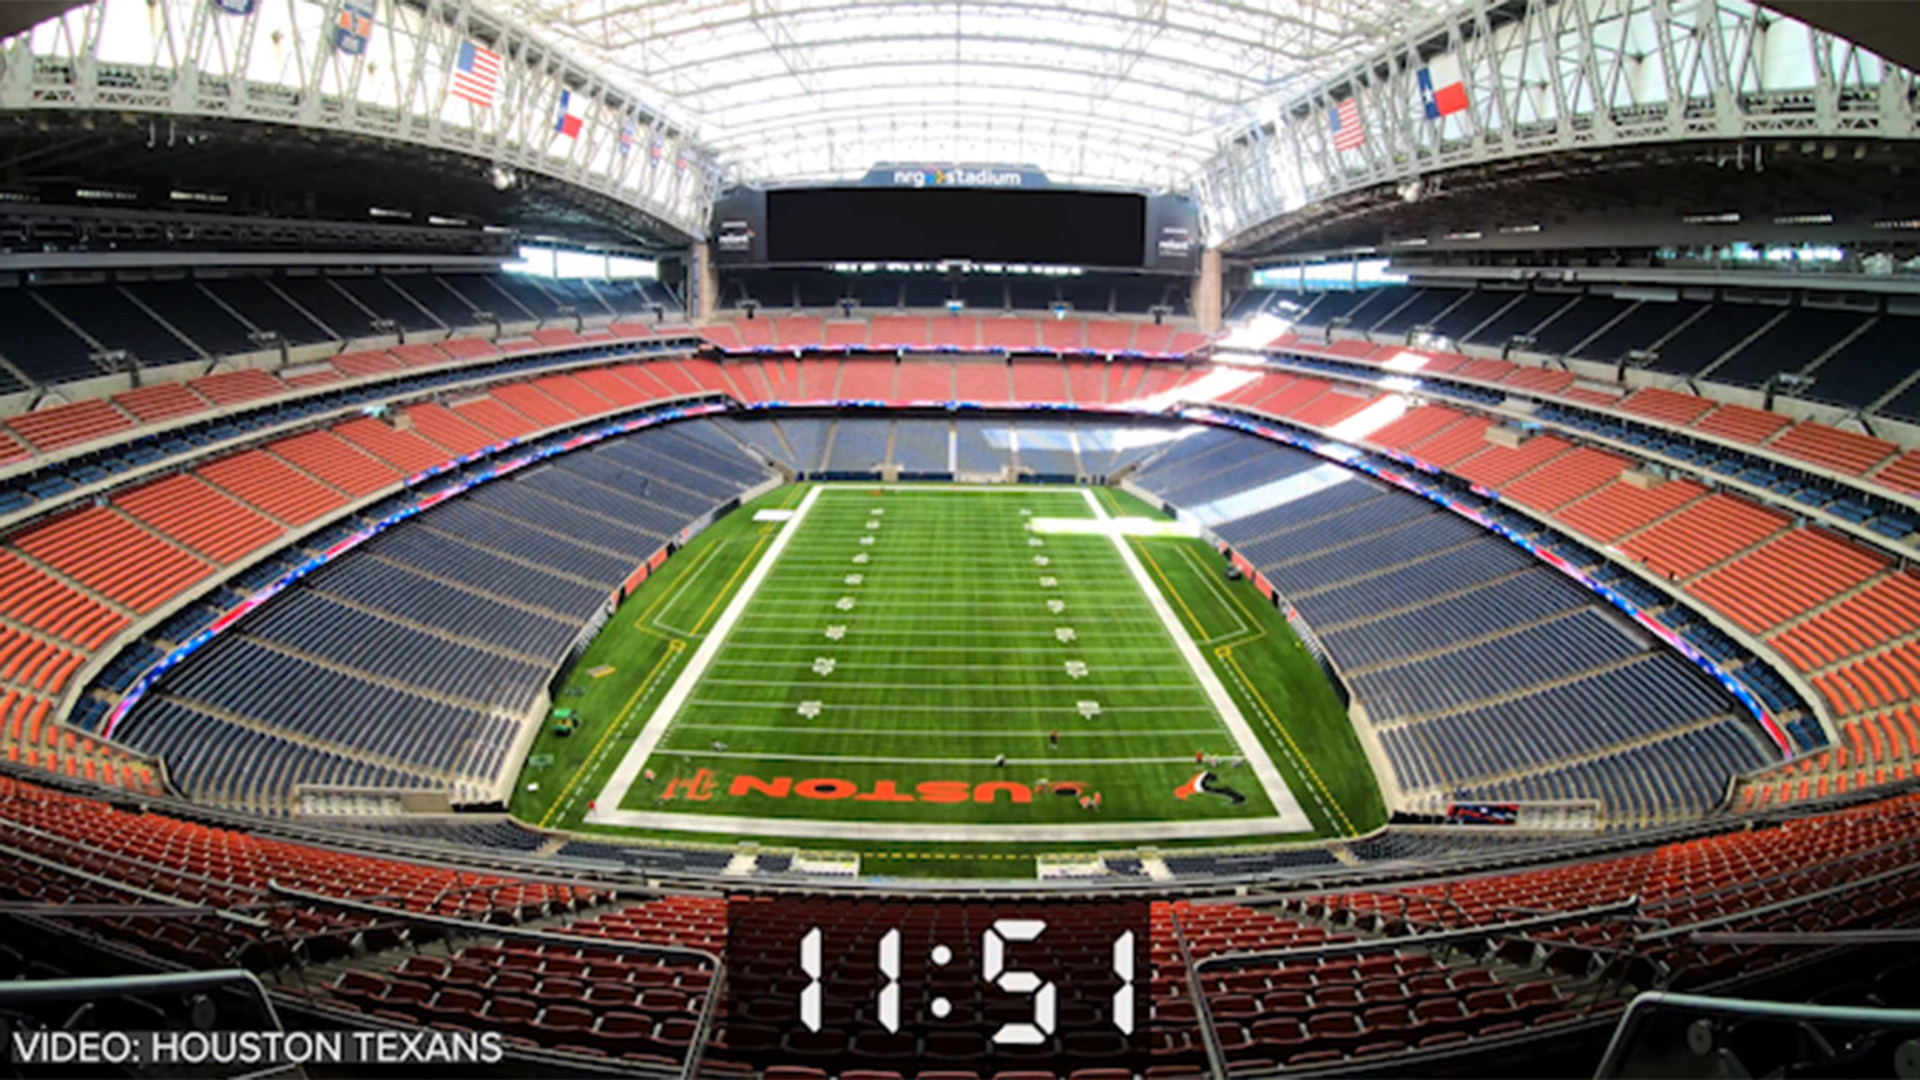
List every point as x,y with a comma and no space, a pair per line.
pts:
852,665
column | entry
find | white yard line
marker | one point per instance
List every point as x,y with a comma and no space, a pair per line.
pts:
1067,688
917,605
921,733
624,774
760,664
816,631
924,831
1285,806
856,759
1016,710
849,644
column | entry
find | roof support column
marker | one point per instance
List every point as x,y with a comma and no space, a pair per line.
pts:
703,285
1207,291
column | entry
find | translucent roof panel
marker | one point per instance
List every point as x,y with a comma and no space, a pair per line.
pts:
1126,92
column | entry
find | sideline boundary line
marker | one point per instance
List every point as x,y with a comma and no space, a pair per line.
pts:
1286,806
625,773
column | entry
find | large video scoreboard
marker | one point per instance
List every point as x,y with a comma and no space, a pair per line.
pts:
982,214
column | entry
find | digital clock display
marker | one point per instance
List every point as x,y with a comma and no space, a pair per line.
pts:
977,985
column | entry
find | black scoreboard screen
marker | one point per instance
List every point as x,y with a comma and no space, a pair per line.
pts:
987,987
1078,228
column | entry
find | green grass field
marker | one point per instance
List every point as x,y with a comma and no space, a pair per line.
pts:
902,641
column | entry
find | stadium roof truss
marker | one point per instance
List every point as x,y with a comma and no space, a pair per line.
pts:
1134,93
1550,76
285,62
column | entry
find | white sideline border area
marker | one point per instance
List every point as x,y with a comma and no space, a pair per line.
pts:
1286,808
1287,817
638,751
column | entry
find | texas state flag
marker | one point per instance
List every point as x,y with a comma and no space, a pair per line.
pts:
1442,90
567,122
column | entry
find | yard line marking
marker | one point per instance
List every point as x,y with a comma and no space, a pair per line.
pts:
624,774
842,665
921,733
861,619
1075,688
975,569
985,762
1024,710
1285,805
832,585
851,642
1121,830
921,605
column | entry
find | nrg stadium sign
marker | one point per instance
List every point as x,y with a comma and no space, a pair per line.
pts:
907,175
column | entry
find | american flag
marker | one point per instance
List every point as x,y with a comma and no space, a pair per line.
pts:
1348,134
476,75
